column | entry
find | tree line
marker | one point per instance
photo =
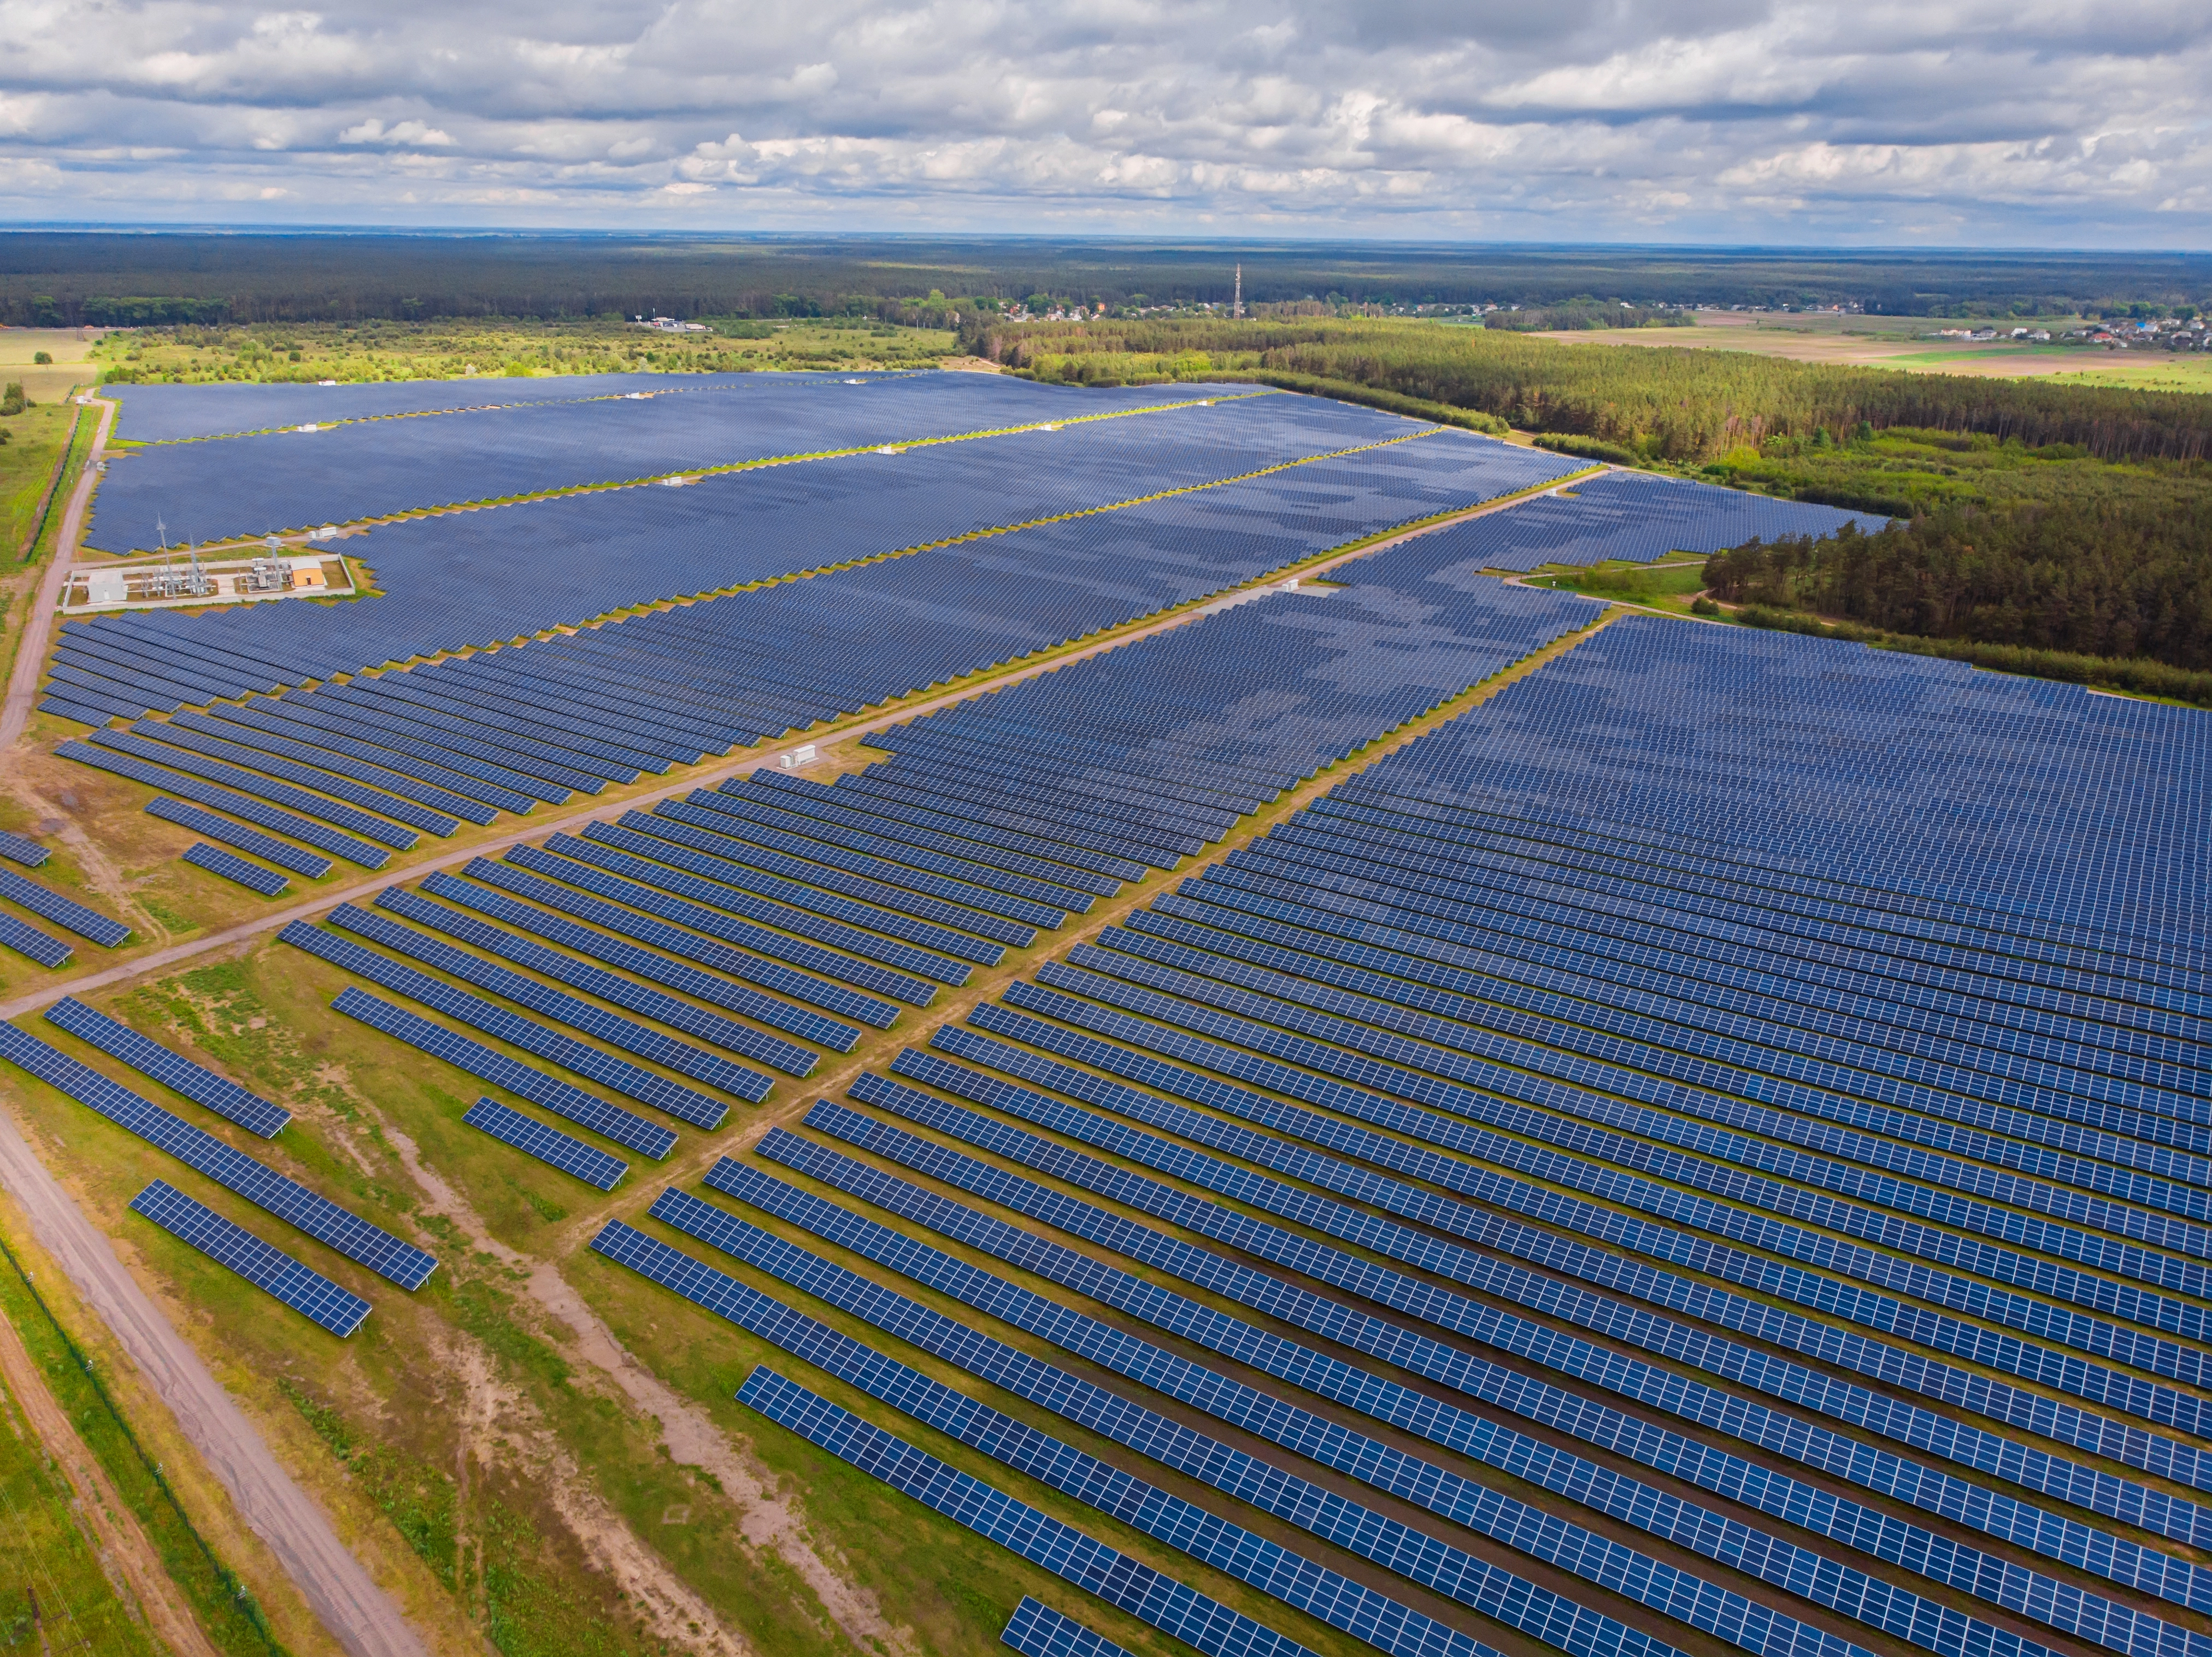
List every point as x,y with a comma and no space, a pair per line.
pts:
2109,578
65,278
1683,407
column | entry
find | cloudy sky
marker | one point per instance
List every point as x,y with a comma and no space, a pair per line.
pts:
2059,123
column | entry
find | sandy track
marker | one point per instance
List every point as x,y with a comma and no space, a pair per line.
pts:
350,1604
39,625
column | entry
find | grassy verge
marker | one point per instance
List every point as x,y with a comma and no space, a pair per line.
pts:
222,1604
54,1588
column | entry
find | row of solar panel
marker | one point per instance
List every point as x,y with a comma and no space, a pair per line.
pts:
154,413
926,618
257,484
761,1249
50,906
2098,1618
1168,965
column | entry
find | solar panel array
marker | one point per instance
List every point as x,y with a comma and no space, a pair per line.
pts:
563,1098
1633,516
173,1070
290,481
267,847
825,403
1037,1630
306,1290
549,1145
64,912
924,618
1156,749
1796,1049
17,850
29,941
231,867
286,1199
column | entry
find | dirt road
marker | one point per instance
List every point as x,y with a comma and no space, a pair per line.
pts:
278,1511
39,624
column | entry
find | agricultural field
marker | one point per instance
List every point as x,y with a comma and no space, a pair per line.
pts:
911,1013
1903,343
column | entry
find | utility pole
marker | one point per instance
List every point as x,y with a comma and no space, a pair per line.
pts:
1236,308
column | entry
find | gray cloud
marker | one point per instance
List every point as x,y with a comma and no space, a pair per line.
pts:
1770,120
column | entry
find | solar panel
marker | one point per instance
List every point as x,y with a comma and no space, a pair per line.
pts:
1037,1631
588,1062
195,1081
167,756
644,963
602,850
726,1033
16,849
549,1145
260,1184
1165,1604
29,940
305,1290
1360,1529
670,940
231,867
566,1009
63,911
648,1138
246,840
228,799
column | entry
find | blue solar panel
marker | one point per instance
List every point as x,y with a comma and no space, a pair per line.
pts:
187,732
195,1081
549,1145
29,940
231,867
246,840
624,1034
62,912
306,1291
260,1184
16,849
1144,1593
646,861
1356,1528
167,756
1633,516
625,1078
1037,1631
228,799
670,940
786,1057
649,1139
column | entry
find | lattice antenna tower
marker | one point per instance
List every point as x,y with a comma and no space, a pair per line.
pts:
1236,304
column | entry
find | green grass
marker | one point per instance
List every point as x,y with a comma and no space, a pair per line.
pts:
52,1565
1631,583
220,1604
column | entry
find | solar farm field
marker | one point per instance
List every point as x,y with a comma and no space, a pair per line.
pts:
1183,1068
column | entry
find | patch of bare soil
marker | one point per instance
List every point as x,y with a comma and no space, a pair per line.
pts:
692,1439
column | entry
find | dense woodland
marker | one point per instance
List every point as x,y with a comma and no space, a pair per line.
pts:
57,277
1651,403
2104,579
